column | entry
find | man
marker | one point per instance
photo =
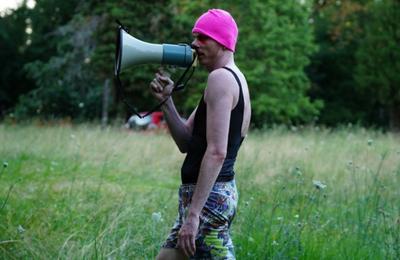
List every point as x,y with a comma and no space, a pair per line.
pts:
211,137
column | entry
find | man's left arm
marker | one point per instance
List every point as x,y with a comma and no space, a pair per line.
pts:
219,100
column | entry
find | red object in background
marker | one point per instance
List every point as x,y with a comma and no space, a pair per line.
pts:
157,118
153,121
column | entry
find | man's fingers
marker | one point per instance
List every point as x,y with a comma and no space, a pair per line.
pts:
189,247
163,78
184,248
162,72
157,86
180,244
192,246
187,244
153,87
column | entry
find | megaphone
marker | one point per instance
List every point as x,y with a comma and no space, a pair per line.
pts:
131,51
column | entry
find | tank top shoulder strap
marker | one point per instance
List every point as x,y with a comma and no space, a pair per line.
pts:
241,99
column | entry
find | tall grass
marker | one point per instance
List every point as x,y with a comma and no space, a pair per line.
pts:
82,192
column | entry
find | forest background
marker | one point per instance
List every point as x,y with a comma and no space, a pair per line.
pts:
307,62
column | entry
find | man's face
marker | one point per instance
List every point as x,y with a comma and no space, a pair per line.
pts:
207,49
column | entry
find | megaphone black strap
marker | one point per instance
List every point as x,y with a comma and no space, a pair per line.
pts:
132,108
121,25
177,87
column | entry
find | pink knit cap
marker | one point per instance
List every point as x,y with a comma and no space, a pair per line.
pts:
219,25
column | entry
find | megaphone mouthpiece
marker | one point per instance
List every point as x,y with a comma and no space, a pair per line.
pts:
179,55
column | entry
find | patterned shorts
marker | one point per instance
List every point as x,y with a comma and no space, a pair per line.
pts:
213,240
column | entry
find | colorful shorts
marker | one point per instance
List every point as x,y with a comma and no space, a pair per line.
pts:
213,240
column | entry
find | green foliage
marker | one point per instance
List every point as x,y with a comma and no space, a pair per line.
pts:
273,50
354,60
338,29
73,42
274,63
66,85
46,18
36,48
13,51
146,20
378,59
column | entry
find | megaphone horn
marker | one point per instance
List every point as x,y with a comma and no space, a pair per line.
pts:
131,51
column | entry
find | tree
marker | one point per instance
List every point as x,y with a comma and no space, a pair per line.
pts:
28,36
378,59
146,20
275,42
277,45
61,46
13,49
70,81
338,29
66,86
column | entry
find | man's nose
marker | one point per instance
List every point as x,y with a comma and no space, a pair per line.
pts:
194,45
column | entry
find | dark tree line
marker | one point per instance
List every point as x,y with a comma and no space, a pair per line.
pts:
322,61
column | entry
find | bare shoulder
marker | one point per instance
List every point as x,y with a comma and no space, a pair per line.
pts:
220,73
219,83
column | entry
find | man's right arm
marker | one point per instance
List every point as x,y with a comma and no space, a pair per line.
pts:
180,129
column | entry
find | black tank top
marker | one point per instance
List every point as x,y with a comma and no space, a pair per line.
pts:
198,142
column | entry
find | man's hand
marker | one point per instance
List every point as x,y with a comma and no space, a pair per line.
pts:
162,85
187,235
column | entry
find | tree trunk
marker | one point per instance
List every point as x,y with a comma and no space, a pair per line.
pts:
394,117
106,100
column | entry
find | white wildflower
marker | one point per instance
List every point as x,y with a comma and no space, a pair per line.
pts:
274,243
319,185
350,163
20,229
156,216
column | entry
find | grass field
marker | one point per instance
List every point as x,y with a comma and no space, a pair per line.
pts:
85,193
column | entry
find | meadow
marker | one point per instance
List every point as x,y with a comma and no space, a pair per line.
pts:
82,192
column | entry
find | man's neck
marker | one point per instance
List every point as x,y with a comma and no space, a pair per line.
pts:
226,59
